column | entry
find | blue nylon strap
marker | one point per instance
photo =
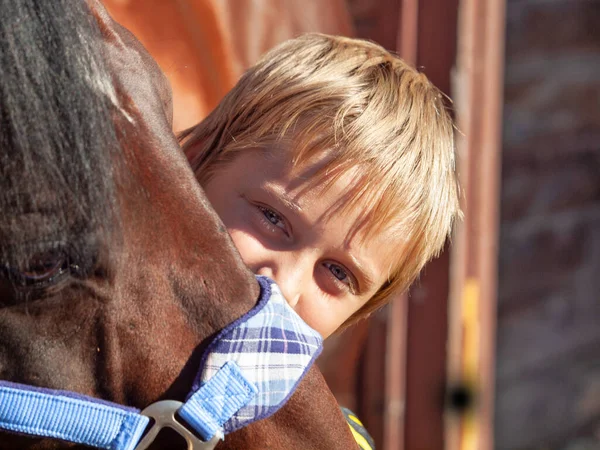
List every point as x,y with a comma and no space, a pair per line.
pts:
96,423
71,418
217,401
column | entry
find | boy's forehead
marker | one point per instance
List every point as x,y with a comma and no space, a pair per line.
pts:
313,180
312,173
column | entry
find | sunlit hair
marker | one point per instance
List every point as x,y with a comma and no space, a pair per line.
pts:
367,109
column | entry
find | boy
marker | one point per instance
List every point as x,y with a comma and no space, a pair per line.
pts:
331,163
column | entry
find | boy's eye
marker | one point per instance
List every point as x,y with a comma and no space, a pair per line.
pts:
272,217
338,272
342,276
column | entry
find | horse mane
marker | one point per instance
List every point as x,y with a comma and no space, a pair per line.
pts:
57,139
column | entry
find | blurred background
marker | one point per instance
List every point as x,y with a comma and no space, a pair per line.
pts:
498,344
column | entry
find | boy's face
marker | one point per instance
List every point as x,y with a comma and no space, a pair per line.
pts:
281,230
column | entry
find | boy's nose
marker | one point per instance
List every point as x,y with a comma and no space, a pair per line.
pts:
289,281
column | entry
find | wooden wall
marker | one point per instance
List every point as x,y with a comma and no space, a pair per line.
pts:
548,342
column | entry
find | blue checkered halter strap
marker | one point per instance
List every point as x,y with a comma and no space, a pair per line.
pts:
247,373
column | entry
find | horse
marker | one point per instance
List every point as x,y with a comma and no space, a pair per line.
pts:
115,273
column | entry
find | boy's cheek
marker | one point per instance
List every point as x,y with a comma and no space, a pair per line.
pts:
320,317
248,246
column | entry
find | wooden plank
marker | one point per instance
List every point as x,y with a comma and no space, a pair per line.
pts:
397,325
478,97
428,300
426,358
371,406
376,20
395,374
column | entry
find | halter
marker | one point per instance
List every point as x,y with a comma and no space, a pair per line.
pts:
247,373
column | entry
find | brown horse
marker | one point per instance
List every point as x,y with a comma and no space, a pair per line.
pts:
114,270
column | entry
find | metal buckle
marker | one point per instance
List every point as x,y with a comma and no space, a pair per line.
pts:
163,413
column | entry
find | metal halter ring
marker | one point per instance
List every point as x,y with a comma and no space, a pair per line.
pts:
163,413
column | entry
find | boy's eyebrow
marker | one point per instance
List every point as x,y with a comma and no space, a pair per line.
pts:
289,202
283,196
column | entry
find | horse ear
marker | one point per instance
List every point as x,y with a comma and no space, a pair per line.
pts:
120,37
105,22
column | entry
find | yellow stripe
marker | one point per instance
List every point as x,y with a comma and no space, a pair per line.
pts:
471,356
355,419
360,440
471,329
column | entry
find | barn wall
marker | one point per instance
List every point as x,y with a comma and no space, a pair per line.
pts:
548,346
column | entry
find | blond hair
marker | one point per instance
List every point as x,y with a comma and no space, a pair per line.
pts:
367,108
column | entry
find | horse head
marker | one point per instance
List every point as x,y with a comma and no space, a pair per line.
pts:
114,270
